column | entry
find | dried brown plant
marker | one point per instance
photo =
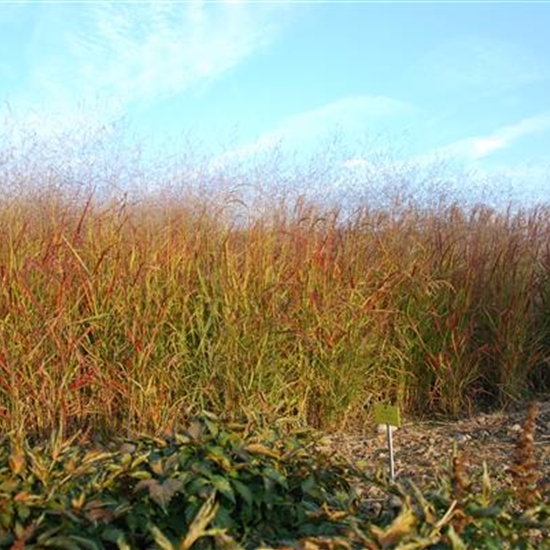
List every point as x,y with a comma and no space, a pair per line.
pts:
524,469
460,486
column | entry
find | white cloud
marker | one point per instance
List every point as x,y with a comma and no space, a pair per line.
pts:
478,147
482,147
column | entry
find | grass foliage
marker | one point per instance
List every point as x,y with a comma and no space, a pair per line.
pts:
123,315
127,316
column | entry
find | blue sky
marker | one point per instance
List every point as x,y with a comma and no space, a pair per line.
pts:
467,82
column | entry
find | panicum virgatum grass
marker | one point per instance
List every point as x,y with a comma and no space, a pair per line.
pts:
127,315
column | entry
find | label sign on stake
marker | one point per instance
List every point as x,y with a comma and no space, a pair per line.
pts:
388,415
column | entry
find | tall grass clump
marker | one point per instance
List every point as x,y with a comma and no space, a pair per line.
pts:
128,315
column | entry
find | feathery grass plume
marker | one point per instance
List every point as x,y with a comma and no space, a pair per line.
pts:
524,469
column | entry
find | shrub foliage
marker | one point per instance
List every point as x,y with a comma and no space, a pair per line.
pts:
215,487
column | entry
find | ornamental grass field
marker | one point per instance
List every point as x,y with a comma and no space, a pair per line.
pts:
127,316
169,356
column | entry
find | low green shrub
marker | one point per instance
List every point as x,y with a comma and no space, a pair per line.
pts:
217,486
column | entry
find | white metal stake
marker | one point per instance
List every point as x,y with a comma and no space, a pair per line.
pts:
388,415
390,448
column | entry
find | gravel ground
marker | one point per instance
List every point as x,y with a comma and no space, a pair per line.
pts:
424,449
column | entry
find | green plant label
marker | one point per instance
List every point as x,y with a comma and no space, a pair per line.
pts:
387,414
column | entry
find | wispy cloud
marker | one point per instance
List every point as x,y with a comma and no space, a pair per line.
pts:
355,115
117,53
477,147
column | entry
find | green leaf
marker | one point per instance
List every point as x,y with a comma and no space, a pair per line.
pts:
85,543
122,543
199,486
212,425
275,475
217,455
223,486
456,542
311,488
23,511
112,534
140,474
243,491
198,527
160,538
483,511
49,533
64,543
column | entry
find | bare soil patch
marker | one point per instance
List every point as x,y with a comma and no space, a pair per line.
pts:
423,450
